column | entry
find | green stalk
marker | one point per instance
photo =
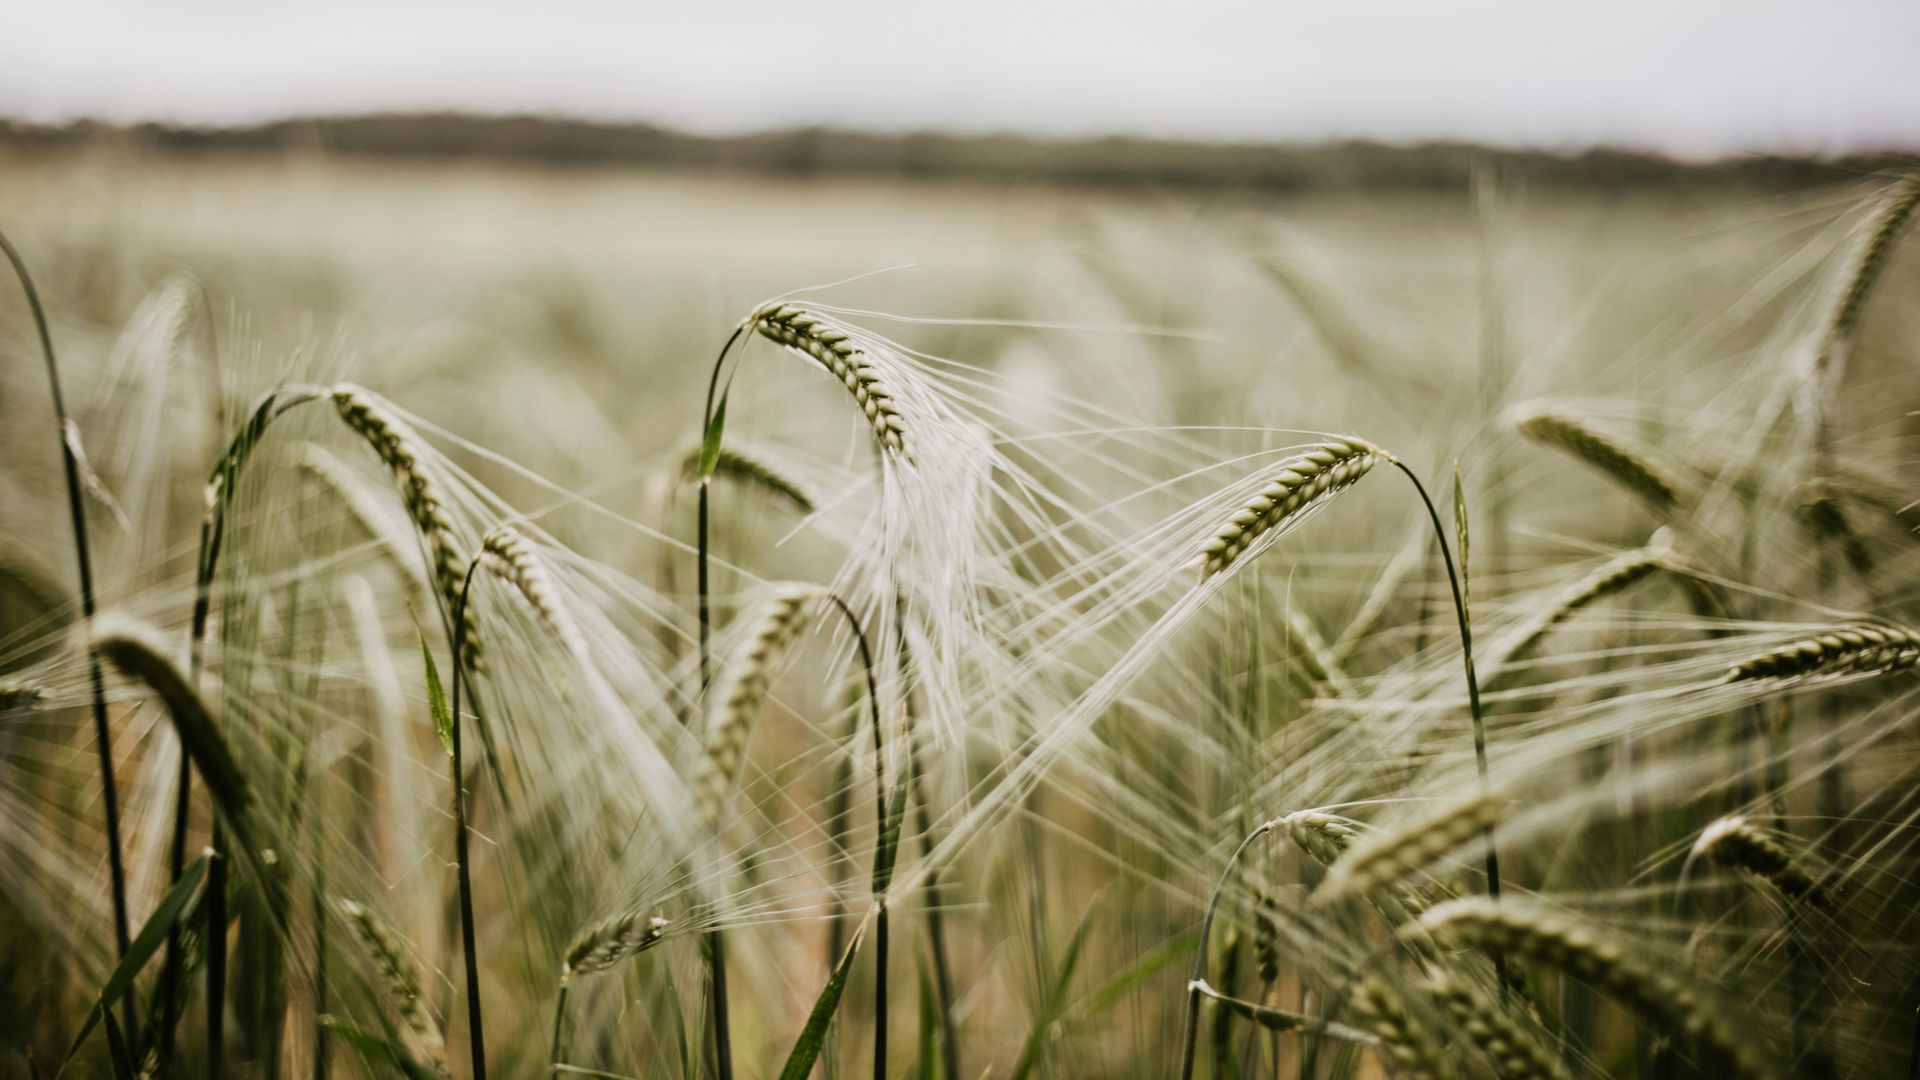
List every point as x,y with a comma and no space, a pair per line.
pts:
716,946
1190,1041
883,826
476,1039
102,733
1473,696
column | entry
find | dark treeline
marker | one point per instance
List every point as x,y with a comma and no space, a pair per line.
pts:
809,151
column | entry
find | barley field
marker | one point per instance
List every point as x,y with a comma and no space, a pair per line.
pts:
482,619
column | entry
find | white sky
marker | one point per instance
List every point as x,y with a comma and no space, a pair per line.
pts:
1695,77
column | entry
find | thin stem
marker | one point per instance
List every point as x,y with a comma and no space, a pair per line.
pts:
1191,1039
559,1025
936,929
880,825
216,952
476,1038
102,733
1473,697
716,946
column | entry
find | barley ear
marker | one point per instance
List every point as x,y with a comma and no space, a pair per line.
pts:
422,1032
1736,842
748,678
1846,649
1299,484
1623,464
867,376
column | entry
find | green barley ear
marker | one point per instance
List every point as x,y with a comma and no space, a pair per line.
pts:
1625,465
418,1027
835,348
508,556
1326,838
1736,842
750,470
1411,1048
1870,260
612,940
779,619
1550,939
1846,649
1515,1052
1386,857
1299,484
397,446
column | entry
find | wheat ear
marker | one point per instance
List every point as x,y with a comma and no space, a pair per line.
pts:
752,470
395,443
1624,465
596,949
508,556
612,940
1551,939
780,619
402,984
1617,575
1515,1052
1410,1047
1326,838
1299,484
1857,647
1734,841
1871,259
1386,857
834,346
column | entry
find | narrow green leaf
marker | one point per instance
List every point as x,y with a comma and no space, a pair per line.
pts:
710,441
437,698
1178,947
889,849
1460,524
1055,1004
814,1035
164,916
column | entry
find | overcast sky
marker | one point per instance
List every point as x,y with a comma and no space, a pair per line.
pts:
1695,77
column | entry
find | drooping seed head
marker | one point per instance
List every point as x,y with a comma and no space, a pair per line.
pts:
1870,259
1848,649
390,957
1386,857
1627,467
1734,841
1410,1047
835,347
1326,838
507,555
780,618
752,470
396,446
1515,1052
612,940
1299,484
1617,575
1540,935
